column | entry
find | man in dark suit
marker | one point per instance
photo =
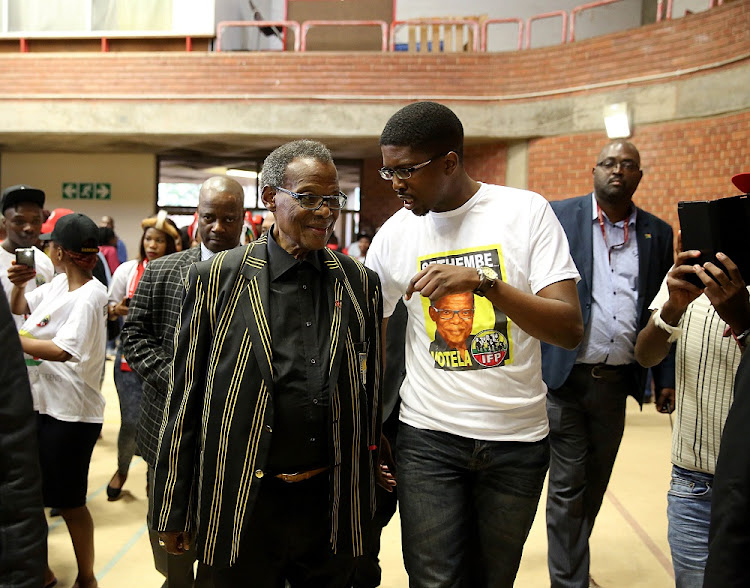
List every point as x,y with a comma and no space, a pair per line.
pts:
622,253
149,331
270,440
23,530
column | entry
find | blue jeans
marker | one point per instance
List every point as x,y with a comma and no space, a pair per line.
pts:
689,516
466,506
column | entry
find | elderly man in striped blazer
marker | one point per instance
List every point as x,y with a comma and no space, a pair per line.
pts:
268,447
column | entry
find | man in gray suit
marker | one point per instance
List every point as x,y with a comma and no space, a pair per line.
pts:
149,331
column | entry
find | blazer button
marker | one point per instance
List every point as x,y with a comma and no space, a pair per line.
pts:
259,473
268,428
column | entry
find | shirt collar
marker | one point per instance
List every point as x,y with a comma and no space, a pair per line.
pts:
595,216
281,261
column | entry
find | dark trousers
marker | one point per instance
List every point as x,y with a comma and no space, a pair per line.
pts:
287,539
587,419
176,569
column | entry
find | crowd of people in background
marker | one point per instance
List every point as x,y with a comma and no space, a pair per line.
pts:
279,425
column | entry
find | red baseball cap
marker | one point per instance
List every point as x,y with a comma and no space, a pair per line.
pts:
742,181
57,214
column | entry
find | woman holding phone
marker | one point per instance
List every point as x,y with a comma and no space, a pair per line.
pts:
159,238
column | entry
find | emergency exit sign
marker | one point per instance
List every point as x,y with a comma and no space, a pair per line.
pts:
86,191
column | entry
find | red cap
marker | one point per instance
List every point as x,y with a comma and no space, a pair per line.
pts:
56,215
742,181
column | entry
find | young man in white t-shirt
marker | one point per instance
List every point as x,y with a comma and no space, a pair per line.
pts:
472,450
22,218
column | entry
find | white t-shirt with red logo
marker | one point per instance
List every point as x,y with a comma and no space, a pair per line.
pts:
75,322
470,371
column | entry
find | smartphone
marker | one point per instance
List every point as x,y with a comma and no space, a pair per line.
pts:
25,256
127,301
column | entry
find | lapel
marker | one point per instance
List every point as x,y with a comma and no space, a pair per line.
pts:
644,239
338,293
254,305
587,242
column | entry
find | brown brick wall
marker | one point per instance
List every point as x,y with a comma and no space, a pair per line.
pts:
661,48
692,160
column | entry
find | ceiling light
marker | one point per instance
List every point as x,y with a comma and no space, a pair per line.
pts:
242,173
616,120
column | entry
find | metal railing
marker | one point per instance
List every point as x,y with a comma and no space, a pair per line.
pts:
308,24
491,21
578,9
560,13
285,24
660,8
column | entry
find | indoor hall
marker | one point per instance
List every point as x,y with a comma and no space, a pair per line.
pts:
629,546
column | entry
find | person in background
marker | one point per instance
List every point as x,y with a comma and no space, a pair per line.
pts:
107,246
122,253
283,477
268,220
360,251
64,339
148,336
472,439
698,322
158,239
23,547
729,535
22,219
623,254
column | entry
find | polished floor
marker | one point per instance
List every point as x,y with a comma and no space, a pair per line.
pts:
629,545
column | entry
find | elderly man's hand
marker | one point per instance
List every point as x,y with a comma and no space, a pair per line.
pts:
175,542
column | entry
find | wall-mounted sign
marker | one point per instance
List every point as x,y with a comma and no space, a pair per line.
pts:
86,191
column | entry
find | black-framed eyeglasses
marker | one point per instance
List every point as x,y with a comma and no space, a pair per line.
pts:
404,173
313,202
626,165
447,314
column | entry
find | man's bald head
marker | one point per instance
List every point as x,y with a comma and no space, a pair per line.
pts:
220,213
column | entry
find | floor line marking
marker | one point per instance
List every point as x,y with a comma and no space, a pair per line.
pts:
661,557
120,554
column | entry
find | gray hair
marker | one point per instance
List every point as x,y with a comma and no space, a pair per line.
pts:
274,167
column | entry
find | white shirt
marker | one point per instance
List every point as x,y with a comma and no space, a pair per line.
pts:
75,322
45,271
706,363
494,390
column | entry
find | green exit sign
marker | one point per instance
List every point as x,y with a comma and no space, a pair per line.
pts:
86,191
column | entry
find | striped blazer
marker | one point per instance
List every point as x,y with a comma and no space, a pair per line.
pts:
216,433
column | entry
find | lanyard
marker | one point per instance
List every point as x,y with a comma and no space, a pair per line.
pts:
604,233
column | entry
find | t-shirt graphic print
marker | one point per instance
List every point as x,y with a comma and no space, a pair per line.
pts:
466,331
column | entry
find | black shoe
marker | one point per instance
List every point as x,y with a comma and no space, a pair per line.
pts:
113,493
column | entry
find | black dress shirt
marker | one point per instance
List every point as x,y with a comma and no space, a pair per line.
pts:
300,327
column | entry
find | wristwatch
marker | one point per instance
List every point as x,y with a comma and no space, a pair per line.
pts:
487,279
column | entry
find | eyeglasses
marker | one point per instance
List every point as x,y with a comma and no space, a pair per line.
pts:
626,165
446,314
313,202
404,173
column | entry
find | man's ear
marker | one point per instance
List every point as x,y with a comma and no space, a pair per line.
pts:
451,162
268,196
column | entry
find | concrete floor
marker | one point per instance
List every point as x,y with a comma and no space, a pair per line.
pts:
629,544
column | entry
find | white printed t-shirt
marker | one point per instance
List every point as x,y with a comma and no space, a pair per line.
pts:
45,271
75,322
492,390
